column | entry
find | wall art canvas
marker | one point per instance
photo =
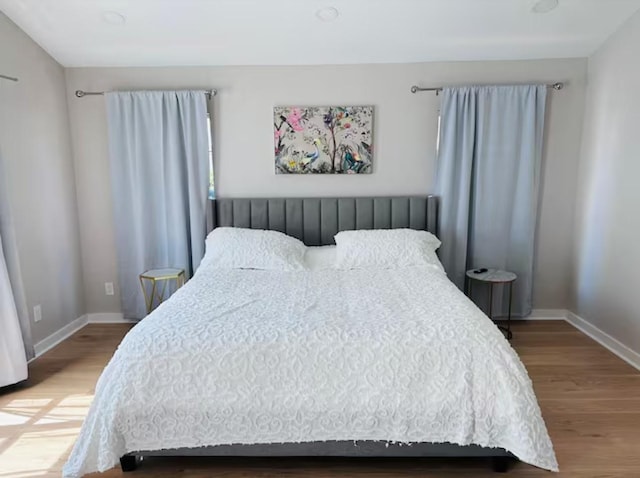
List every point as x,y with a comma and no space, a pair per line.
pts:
323,139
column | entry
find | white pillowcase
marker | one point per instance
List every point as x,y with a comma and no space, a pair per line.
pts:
386,249
318,258
238,248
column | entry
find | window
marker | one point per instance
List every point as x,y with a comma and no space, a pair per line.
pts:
212,189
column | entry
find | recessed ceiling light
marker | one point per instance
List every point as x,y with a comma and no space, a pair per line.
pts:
544,6
327,14
113,18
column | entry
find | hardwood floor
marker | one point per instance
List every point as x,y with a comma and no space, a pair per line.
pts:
590,400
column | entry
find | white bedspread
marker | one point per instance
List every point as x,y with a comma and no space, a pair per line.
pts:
243,356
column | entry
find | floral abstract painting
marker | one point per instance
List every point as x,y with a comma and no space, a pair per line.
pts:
323,139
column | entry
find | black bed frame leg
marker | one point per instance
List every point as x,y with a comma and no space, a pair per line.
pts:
500,464
128,463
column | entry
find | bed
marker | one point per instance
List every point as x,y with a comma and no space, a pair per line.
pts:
315,363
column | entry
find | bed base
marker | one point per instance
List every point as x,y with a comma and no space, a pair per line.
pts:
500,458
128,463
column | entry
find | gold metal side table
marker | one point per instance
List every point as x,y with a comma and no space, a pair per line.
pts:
150,279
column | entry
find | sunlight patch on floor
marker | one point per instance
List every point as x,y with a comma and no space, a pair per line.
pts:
19,412
29,402
13,417
23,474
19,458
50,426
74,407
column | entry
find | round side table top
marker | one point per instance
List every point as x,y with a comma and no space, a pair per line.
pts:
491,275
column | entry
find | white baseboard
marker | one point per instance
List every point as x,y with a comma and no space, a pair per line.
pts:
71,328
548,314
108,318
540,314
613,345
65,332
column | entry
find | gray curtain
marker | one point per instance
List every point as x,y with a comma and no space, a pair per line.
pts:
160,175
488,174
13,303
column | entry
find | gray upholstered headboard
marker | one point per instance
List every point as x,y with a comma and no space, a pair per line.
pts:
316,220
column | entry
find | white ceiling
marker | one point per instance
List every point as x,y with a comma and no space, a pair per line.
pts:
267,32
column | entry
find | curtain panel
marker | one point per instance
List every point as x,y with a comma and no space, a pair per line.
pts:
16,344
13,360
159,154
488,176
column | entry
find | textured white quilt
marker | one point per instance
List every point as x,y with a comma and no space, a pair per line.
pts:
241,356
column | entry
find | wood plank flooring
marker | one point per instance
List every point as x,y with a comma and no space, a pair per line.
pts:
590,400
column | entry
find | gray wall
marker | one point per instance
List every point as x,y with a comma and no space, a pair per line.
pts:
405,136
36,150
607,280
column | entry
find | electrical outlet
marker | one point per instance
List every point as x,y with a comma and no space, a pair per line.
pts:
108,288
37,313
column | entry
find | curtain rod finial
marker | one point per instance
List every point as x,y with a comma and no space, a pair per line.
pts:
414,89
79,93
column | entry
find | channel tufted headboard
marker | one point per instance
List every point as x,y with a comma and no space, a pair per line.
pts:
316,220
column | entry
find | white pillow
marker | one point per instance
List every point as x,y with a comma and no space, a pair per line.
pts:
386,249
320,258
238,248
